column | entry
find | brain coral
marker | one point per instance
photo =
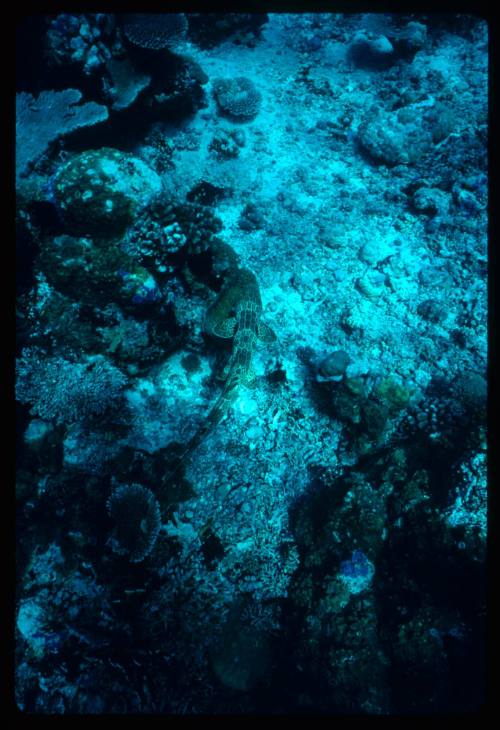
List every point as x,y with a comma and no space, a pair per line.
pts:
97,192
155,31
136,513
237,98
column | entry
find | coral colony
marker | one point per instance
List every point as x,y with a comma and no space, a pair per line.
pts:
251,363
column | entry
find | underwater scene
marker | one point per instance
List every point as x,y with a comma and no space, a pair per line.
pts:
251,358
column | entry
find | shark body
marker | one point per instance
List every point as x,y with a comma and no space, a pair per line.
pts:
236,314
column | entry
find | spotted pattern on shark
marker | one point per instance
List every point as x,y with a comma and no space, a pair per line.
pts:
236,313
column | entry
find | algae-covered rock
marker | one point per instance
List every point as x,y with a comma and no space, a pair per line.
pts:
393,394
98,192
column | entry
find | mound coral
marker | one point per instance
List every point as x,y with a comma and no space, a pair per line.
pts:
237,98
97,192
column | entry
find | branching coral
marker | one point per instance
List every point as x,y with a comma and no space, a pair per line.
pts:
67,391
86,40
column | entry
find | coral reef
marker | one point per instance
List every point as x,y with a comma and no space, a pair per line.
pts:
126,83
44,119
84,40
237,98
97,192
155,31
215,28
136,514
251,358
226,144
65,391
